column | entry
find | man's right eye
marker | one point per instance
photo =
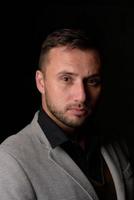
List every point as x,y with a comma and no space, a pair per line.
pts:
66,78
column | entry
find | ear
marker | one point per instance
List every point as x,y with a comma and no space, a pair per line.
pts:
40,81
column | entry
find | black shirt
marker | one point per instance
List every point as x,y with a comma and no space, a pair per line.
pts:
89,160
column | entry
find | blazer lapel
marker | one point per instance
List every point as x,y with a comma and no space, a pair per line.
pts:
63,160
114,167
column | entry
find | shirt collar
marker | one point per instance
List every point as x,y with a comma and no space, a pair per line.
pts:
53,132
57,137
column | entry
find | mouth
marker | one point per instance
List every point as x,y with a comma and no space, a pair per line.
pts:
78,112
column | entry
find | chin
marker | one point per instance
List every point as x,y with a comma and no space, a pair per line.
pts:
76,123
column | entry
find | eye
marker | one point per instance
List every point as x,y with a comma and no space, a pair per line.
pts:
66,78
94,81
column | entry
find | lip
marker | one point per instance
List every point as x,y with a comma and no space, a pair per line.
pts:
78,112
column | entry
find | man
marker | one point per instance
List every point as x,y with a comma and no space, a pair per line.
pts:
58,155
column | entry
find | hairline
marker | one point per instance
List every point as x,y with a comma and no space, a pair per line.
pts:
44,60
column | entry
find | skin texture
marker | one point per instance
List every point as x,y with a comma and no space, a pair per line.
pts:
70,85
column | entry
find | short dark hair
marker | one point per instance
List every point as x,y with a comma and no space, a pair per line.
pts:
72,38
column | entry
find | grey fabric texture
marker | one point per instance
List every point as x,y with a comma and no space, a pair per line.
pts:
30,169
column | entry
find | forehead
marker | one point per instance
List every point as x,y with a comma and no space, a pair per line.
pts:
73,60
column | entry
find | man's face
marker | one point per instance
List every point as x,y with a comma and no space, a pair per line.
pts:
70,85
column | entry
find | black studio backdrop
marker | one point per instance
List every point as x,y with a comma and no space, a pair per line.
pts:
23,29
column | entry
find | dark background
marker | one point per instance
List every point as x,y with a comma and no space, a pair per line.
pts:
23,28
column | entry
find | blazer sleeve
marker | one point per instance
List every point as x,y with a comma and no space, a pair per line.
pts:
14,183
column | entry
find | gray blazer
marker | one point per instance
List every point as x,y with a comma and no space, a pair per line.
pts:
31,170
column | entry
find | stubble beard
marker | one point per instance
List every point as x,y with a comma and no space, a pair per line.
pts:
60,115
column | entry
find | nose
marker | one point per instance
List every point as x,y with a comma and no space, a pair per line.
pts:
80,93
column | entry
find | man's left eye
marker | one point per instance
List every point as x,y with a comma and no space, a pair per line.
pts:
94,81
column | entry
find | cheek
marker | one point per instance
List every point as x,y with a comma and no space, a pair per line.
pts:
58,95
95,93
58,92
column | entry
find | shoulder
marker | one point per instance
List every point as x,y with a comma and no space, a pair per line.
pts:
118,143
118,150
27,143
14,182
24,143
15,147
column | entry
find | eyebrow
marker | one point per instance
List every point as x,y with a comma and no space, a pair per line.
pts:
75,74
68,73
